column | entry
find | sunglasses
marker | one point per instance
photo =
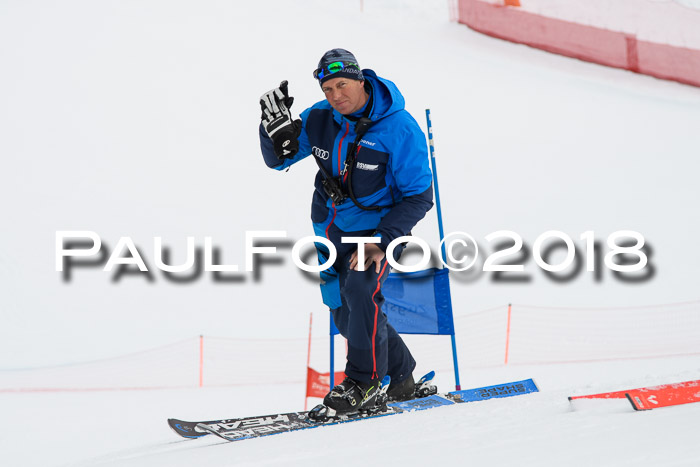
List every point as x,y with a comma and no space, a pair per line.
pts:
334,67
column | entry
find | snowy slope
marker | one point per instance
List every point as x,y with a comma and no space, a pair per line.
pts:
140,119
129,429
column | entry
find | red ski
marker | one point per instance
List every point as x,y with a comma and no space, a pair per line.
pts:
665,395
661,396
602,395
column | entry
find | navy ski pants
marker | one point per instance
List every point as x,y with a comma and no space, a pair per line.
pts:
375,349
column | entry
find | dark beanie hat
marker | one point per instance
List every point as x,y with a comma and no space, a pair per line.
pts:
350,69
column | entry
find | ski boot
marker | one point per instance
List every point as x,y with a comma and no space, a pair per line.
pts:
352,399
408,389
402,391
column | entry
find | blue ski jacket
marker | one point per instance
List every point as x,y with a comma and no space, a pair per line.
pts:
391,168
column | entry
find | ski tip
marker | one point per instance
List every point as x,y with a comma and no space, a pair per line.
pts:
634,403
184,429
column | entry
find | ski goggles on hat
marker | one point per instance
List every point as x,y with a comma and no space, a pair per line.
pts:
334,67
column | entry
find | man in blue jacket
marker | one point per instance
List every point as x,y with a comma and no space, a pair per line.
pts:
373,181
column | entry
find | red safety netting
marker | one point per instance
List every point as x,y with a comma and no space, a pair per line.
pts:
657,39
514,335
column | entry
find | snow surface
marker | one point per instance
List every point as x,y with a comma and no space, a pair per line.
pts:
139,118
127,428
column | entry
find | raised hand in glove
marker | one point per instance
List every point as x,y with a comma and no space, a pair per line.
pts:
277,121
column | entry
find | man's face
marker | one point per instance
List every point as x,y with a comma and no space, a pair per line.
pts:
345,95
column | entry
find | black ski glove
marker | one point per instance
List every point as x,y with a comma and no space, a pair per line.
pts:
277,121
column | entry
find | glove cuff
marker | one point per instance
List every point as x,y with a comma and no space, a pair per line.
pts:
285,140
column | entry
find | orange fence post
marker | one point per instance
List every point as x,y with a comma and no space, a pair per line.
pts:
308,362
508,334
201,360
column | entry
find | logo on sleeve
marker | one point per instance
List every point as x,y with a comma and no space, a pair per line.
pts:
320,153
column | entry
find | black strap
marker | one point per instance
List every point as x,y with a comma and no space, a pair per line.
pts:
360,130
324,172
361,127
